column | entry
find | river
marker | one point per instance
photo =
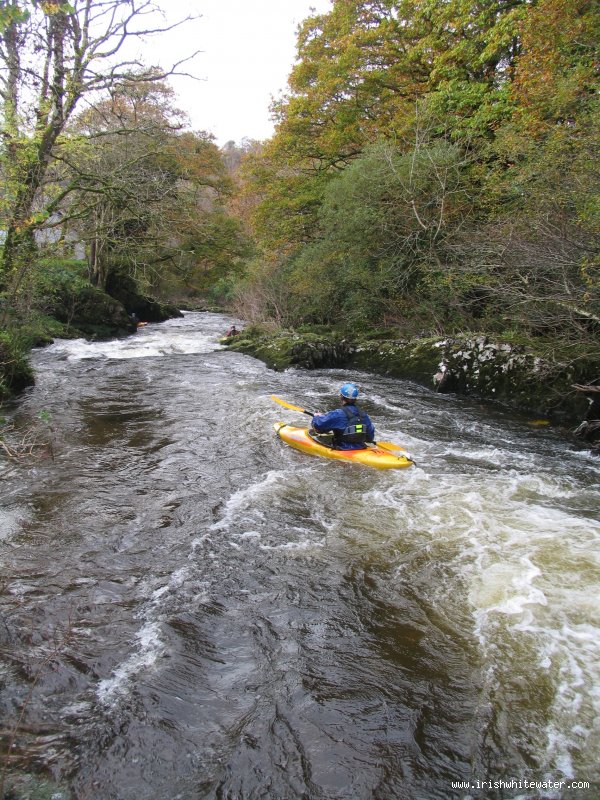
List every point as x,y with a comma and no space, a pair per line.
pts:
191,609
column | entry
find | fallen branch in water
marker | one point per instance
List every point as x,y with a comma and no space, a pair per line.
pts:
19,445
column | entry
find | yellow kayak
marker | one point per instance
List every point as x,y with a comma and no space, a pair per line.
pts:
371,456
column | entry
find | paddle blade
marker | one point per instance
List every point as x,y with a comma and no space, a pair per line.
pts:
389,446
284,404
289,405
396,450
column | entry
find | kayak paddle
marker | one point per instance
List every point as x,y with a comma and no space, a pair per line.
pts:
289,405
384,445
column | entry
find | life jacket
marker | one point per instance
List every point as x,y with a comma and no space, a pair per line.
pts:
355,431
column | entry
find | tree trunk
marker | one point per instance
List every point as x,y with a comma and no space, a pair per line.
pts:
97,267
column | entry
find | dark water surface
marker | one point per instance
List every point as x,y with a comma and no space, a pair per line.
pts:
189,609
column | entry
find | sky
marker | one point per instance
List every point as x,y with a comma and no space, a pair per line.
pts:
248,49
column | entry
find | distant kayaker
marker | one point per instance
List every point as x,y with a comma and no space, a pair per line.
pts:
351,427
233,331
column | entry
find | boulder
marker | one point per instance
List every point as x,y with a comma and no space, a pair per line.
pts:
93,313
122,287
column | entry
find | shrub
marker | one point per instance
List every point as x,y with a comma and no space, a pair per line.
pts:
15,370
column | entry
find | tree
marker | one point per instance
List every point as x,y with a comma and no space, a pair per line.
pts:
132,182
374,70
556,75
52,55
540,243
539,246
363,67
436,162
386,225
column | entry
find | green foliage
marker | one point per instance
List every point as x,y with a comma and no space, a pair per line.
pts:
364,66
384,221
38,329
15,371
435,167
205,260
11,15
222,291
53,277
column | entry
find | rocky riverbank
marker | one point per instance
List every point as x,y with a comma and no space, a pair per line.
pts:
74,309
472,365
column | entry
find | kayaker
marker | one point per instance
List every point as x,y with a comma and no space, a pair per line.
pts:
233,331
351,427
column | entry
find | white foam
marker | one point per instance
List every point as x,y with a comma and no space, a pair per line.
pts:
150,649
20,589
528,560
12,519
81,708
119,349
507,588
149,342
241,507
200,541
304,544
150,645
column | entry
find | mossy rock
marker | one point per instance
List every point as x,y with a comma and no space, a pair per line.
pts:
93,313
273,350
41,329
284,349
513,375
416,359
471,364
122,287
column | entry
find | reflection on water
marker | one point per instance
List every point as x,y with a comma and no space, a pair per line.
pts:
200,612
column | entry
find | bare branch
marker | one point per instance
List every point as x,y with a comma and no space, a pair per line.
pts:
48,66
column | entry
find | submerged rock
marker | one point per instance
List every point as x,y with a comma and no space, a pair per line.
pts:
589,429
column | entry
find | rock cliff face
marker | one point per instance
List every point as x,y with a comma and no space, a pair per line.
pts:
285,349
472,365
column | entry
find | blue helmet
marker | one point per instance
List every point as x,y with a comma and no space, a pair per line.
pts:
349,391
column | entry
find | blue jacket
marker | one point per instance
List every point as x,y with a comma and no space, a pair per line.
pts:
338,421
